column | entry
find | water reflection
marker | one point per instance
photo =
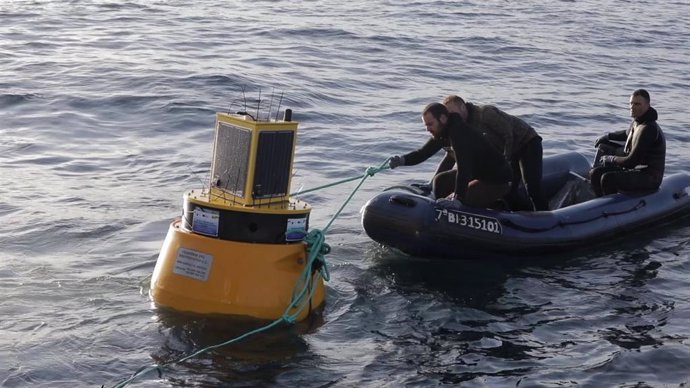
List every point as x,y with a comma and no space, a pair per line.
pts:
466,283
492,321
251,361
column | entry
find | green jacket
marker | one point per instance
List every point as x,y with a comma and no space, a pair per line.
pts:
508,134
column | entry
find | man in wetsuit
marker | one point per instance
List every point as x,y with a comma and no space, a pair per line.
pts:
641,167
482,176
517,140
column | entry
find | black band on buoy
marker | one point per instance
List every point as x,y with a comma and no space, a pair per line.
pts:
245,226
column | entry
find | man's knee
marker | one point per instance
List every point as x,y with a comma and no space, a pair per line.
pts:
624,181
481,194
609,183
443,183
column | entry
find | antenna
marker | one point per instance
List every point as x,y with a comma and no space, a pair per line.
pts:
230,106
279,102
258,103
194,174
232,102
270,105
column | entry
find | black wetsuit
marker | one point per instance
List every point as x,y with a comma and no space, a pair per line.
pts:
476,158
642,166
518,142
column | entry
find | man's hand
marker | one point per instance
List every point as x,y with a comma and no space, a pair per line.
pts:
600,140
448,203
396,161
423,186
607,160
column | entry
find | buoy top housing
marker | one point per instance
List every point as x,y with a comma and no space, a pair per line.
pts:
252,160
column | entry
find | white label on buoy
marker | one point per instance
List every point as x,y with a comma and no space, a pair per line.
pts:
205,221
193,264
296,229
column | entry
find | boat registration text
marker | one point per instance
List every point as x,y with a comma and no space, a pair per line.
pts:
468,220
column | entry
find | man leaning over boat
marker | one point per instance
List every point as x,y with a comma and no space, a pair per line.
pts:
639,164
517,140
482,176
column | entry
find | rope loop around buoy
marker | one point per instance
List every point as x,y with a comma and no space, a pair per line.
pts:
317,247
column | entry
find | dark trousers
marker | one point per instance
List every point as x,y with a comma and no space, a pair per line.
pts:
528,168
613,179
479,193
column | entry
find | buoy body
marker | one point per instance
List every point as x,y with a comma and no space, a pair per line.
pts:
204,275
238,248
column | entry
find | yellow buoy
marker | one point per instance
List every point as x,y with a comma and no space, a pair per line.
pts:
238,248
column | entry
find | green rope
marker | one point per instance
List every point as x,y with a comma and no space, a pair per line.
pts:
369,172
303,291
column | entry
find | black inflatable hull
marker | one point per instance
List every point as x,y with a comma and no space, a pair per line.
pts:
413,223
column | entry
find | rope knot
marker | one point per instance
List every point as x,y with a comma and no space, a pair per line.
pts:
372,170
317,248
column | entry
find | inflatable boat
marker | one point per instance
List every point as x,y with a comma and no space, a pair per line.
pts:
409,219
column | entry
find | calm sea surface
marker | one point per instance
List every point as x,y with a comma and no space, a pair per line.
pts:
106,118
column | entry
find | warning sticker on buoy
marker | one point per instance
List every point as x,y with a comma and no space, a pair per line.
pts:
296,229
193,264
205,221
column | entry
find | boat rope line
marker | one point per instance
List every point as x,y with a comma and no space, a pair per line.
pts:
369,172
302,293
561,224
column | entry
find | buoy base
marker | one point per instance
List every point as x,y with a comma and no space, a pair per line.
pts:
199,274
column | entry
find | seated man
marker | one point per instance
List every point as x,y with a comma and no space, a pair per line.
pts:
641,165
483,175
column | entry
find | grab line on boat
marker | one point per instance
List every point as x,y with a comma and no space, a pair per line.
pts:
604,214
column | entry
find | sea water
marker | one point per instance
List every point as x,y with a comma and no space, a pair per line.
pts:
106,118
